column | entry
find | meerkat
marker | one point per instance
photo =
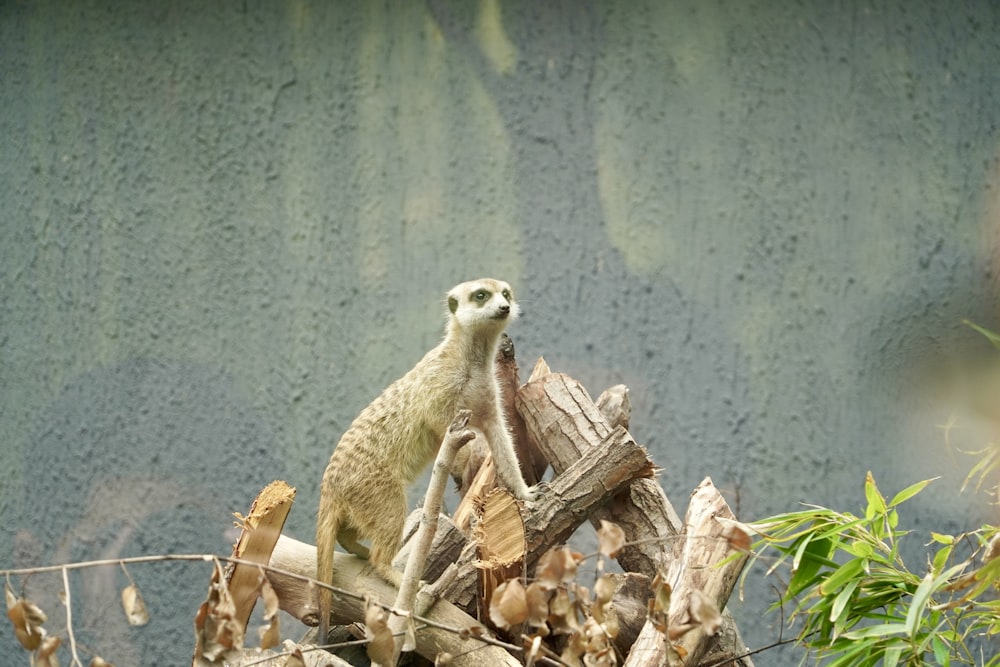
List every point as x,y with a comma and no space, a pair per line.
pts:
363,492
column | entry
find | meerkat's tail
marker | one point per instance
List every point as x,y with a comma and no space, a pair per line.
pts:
326,537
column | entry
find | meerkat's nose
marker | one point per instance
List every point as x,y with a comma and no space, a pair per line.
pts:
505,308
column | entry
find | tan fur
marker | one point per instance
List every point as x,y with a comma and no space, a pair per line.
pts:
363,494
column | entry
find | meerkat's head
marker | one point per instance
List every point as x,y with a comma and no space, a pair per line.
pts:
483,303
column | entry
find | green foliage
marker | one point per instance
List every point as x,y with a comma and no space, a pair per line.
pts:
859,604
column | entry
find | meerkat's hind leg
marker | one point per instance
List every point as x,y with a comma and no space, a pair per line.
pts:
348,538
385,530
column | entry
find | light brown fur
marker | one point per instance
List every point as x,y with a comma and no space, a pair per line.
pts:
363,494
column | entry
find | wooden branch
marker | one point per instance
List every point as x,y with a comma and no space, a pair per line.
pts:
616,406
354,574
499,538
569,499
457,436
693,573
261,528
445,549
222,619
559,414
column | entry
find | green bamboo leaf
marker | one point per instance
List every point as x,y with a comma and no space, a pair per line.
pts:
876,631
990,336
862,549
858,653
910,491
892,655
842,575
876,502
942,654
942,556
843,597
809,558
983,467
919,602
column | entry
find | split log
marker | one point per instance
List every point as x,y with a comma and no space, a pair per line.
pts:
221,621
694,573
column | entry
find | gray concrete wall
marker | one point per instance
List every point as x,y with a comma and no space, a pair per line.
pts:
226,226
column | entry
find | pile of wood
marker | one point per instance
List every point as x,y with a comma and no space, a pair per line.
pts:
497,586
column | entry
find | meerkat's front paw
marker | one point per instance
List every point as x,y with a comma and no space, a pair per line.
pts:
532,493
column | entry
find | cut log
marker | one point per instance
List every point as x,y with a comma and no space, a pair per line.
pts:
692,574
221,621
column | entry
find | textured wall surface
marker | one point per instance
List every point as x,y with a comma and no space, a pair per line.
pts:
226,226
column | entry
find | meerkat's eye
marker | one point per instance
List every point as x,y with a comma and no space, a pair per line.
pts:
481,295
506,294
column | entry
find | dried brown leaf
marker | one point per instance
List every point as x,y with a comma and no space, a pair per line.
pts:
576,646
27,619
562,613
443,659
593,630
46,655
581,593
604,588
736,533
472,631
134,606
992,549
216,629
270,632
509,605
9,595
612,625
556,566
531,652
537,598
678,631
610,538
661,594
381,645
706,612
295,659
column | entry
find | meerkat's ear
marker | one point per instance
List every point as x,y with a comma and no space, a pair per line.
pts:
452,303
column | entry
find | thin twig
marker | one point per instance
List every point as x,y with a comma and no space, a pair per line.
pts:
67,600
209,558
127,575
